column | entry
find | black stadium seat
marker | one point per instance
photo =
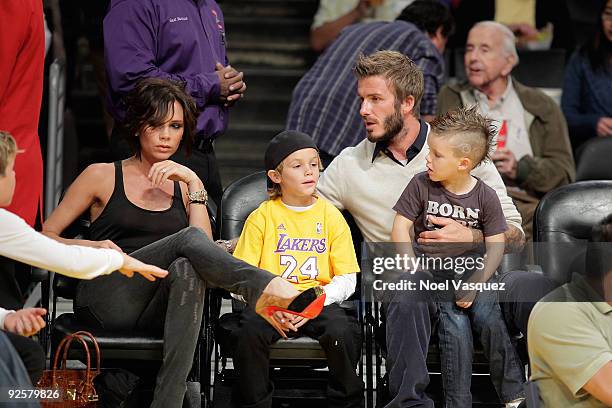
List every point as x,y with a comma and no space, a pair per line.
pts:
562,226
593,161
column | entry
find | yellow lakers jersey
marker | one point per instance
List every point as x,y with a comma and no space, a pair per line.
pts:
307,248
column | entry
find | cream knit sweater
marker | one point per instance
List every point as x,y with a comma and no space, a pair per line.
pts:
369,190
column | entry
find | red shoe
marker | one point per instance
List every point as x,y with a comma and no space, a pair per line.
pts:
307,304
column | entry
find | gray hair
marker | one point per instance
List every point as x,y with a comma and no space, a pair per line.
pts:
509,40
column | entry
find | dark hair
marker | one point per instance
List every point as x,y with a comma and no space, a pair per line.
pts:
428,16
599,49
599,250
151,102
403,76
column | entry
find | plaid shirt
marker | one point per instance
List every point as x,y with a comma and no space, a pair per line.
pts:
325,104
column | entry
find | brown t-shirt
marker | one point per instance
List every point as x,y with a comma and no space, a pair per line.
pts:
479,209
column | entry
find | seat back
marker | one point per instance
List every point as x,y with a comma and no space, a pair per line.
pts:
239,200
64,286
594,160
562,226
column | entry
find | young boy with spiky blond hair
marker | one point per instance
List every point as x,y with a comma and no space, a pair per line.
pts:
458,142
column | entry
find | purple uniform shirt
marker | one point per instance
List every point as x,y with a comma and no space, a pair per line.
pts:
173,39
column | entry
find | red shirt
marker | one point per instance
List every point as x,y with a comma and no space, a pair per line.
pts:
22,53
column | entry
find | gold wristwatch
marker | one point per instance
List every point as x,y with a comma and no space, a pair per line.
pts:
198,197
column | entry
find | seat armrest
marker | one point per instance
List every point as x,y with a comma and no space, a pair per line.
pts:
39,275
534,268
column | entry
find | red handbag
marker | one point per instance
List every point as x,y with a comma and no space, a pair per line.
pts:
75,387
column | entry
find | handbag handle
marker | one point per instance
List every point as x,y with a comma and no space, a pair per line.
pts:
96,347
64,346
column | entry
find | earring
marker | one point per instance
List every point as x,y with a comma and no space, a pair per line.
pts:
136,135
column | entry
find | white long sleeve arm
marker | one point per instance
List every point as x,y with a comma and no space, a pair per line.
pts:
340,288
20,242
3,314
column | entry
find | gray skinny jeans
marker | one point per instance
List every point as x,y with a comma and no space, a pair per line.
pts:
116,302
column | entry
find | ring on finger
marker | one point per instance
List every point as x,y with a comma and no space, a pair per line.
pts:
163,171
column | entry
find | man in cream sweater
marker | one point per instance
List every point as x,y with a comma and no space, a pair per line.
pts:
368,179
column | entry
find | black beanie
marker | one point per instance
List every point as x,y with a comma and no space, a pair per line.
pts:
282,145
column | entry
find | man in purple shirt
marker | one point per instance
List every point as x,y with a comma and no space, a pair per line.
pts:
181,40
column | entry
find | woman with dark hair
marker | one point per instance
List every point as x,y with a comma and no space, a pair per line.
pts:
155,209
587,94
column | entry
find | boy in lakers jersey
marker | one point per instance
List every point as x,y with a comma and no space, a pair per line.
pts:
304,239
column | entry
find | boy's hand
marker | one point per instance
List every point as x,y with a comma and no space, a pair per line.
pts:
149,272
25,322
299,321
286,321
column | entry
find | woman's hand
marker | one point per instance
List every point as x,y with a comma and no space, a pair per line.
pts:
150,272
169,170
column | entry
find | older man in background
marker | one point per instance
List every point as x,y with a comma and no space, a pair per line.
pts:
533,153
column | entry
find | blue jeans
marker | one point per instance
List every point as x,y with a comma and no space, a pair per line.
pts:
409,322
455,327
13,374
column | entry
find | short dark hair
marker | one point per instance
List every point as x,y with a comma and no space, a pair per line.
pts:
599,250
403,76
151,102
428,16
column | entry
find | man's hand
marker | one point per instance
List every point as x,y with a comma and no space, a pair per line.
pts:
150,272
506,163
450,240
25,322
466,299
231,82
604,127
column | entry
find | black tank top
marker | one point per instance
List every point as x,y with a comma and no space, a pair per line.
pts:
132,227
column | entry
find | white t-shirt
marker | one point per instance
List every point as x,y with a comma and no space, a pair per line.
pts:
330,10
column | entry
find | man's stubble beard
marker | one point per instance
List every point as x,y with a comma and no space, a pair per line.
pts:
393,125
